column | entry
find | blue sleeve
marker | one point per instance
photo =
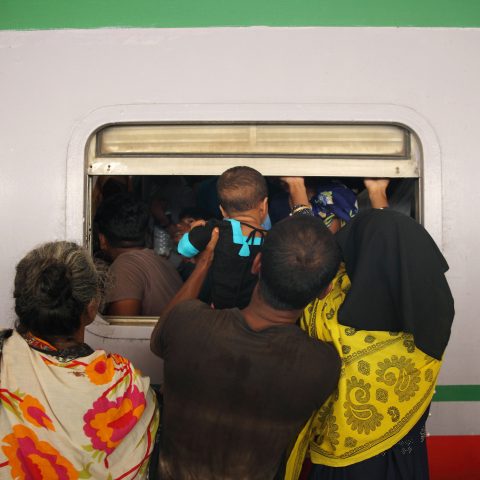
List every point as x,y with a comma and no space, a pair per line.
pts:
195,241
185,247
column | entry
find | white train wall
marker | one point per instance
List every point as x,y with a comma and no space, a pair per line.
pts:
57,86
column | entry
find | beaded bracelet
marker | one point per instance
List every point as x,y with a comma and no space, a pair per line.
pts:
301,210
300,205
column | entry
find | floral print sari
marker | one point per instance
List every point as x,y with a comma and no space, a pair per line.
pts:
65,416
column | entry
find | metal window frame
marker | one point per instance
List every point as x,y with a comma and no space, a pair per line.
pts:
97,164
393,166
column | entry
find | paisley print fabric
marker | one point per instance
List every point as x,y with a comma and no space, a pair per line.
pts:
64,416
385,386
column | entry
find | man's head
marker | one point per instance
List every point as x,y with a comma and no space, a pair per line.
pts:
122,221
299,259
241,189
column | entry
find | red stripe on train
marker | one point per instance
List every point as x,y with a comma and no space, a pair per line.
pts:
454,457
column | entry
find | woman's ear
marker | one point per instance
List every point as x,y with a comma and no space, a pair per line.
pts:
102,239
91,311
257,264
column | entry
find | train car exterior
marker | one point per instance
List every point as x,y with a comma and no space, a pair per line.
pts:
68,70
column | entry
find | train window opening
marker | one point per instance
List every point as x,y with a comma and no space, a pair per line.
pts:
173,169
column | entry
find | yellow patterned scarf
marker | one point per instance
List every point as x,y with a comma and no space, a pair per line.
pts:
385,386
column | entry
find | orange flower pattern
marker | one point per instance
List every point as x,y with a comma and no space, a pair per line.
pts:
34,412
119,360
101,370
31,459
113,401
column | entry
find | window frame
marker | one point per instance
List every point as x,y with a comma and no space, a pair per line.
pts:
100,165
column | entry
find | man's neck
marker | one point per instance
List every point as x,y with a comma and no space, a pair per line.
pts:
115,252
252,217
259,315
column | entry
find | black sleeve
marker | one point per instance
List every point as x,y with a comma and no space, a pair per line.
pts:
200,236
196,240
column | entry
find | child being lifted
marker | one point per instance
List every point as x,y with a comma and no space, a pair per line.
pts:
243,196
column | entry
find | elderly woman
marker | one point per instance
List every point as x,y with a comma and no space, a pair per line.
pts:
389,314
68,411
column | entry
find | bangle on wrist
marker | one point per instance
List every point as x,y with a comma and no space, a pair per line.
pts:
299,206
301,209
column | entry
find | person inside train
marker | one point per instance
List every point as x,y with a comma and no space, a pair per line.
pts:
68,411
109,185
160,225
239,384
331,200
142,282
104,187
389,315
187,219
243,196
174,190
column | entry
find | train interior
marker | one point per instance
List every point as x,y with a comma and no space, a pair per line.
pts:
172,199
173,167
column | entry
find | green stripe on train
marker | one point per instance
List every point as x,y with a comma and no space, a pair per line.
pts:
53,14
457,393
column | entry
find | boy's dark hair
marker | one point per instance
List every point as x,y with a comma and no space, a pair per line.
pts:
123,220
240,189
299,259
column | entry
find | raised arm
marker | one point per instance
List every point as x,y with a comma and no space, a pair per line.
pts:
189,290
298,192
377,191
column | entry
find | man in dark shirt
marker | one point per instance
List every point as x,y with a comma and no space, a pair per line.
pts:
240,384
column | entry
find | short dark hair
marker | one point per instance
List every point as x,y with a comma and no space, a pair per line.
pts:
300,257
54,284
123,220
241,188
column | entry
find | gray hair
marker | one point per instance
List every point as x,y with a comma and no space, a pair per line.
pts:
54,284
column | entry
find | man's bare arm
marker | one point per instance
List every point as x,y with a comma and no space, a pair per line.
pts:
189,290
297,190
130,307
377,191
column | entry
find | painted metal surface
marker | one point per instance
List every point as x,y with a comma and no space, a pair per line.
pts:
31,14
57,87
153,150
